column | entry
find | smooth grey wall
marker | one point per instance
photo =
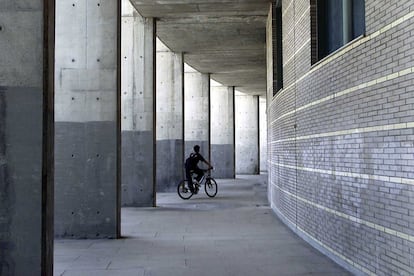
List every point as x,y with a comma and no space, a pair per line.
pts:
170,118
263,134
247,133
341,137
222,130
26,186
196,111
137,108
87,198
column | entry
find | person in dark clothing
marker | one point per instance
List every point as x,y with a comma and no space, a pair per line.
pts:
191,166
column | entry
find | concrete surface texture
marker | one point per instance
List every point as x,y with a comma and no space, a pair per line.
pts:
224,38
137,108
170,118
86,142
263,133
235,233
196,111
247,133
23,208
222,130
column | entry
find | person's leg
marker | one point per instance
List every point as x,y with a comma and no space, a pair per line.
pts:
190,181
199,173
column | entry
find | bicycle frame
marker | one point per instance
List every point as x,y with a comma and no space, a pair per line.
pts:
207,173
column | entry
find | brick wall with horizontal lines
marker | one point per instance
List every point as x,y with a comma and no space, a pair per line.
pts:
341,140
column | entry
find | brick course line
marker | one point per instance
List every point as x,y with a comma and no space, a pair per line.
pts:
296,23
380,228
349,131
399,180
287,8
349,261
346,48
349,90
297,51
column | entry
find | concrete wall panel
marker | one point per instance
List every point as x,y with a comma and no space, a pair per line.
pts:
197,111
137,86
137,168
263,134
247,134
222,158
20,176
170,164
26,187
83,172
222,131
87,138
170,118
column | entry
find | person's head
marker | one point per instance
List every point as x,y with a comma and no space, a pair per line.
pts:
197,148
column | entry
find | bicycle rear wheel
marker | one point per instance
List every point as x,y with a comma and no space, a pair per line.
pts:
183,190
210,187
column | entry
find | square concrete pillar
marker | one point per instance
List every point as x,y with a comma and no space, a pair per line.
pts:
196,111
247,134
170,118
137,123
26,137
87,175
222,130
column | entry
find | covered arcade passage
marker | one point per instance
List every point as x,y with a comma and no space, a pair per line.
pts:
85,110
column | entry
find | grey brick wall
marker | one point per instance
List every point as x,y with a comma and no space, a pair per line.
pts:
341,140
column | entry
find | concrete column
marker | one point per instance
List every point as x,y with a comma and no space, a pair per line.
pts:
196,111
247,134
263,134
26,137
137,105
87,175
170,118
222,130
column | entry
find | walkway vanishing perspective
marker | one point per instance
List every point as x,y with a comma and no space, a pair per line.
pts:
235,233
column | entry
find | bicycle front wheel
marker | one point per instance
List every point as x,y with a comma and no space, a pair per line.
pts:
210,187
183,190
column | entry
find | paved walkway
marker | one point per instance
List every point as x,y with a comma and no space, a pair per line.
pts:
235,233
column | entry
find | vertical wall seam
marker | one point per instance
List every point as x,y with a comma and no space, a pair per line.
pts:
154,112
258,134
183,109
209,116
47,231
234,131
118,124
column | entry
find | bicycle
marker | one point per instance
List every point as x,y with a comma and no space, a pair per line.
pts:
210,186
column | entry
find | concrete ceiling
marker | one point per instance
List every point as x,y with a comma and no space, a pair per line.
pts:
225,38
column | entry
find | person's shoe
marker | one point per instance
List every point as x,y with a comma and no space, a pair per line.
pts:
191,188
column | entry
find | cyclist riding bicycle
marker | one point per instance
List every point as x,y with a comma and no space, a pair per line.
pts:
191,166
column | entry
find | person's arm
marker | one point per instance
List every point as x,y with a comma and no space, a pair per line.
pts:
205,161
209,165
